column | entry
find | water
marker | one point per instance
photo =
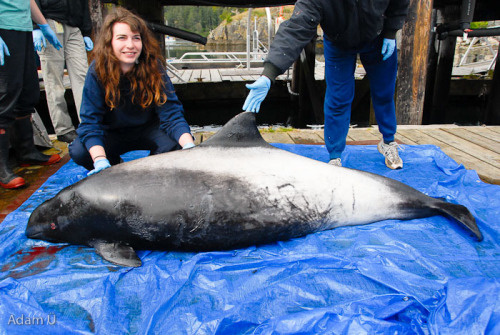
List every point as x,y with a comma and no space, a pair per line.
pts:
179,48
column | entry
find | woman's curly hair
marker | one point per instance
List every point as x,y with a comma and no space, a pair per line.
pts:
147,86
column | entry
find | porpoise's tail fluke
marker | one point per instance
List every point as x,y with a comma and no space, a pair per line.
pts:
462,215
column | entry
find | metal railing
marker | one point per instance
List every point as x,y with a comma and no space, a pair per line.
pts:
230,59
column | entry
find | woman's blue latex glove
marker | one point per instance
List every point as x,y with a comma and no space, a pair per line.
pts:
388,47
188,146
49,34
4,51
89,45
99,165
38,40
258,92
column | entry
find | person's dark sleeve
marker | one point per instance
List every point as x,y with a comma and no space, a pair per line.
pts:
92,112
86,28
171,113
292,36
395,16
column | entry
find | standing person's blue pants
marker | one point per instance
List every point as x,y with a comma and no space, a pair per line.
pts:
339,75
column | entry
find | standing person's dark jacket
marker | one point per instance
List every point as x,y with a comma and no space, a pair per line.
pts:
349,24
74,13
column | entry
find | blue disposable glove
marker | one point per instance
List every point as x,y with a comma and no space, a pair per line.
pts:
188,146
89,45
99,165
50,35
4,51
38,40
258,92
388,47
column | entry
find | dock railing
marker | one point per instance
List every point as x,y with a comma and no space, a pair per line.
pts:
191,60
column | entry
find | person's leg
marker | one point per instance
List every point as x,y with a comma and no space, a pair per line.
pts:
52,64
115,144
382,75
22,130
76,62
80,155
11,79
157,141
11,83
339,77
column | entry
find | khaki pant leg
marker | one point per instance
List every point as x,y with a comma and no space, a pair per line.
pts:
52,63
76,62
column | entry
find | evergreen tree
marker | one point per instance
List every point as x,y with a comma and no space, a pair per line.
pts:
195,19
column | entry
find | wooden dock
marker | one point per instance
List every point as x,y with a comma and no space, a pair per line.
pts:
215,75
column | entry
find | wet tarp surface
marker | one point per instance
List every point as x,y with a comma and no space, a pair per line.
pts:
424,276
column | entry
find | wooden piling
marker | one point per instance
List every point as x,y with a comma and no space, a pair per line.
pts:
444,68
412,67
493,109
96,16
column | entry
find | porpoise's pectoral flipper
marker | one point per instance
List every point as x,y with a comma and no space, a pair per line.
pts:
462,215
117,253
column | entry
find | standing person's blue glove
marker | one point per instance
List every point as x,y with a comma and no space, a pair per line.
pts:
4,51
38,40
49,34
99,165
258,92
388,47
89,45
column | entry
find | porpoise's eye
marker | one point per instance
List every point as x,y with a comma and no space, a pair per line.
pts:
53,226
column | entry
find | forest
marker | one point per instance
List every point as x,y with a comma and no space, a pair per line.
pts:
198,20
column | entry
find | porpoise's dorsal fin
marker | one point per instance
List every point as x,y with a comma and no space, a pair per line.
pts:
240,131
117,253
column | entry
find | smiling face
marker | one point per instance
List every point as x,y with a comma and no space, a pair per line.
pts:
127,45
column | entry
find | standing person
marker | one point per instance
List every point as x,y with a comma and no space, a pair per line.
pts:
350,27
129,102
71,21
19,89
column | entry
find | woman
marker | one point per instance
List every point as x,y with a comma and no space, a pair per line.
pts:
128,99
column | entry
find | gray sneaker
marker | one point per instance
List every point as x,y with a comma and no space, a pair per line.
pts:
335,162
390,152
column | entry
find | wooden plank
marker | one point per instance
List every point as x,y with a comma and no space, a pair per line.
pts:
488,132
230,72
320,133
304,137
472,149
205,75
403,139
475,138
362,134
236,78
419,138
247,77
274,137
215,75
495,129
195,75
399,138
205,136
486,171
186,74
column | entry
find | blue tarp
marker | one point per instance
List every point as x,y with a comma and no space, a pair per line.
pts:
424,276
